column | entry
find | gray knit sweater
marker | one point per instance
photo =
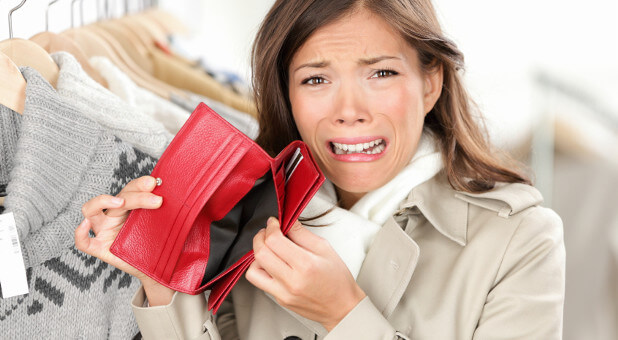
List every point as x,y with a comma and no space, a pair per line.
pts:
54,159
124,121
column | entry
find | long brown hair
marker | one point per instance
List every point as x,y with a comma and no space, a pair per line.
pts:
469,163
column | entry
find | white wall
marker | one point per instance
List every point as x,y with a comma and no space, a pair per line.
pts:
506,42
223,31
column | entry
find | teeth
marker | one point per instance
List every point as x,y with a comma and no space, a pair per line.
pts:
342,149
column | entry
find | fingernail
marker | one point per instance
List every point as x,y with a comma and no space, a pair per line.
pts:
156,199
117,201
149,181
270,220
81,225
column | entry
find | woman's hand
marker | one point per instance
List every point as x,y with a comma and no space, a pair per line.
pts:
105,215
304,274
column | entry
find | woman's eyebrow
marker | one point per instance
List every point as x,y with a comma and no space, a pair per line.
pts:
371,61
362,61
317,64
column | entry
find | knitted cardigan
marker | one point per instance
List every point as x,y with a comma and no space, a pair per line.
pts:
124,121
54,160
169,114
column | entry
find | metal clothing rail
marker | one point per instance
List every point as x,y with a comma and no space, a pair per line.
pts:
606,116
550,92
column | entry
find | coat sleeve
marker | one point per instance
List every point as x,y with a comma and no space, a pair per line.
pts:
355,325
185,317
526,301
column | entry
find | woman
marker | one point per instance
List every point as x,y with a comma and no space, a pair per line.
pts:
453,242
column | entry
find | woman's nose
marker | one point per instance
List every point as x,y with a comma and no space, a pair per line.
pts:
351,106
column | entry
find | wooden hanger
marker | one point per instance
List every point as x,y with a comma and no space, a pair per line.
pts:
12,86
26,53
130,42
151,28
97,42
135,72
169,23
52,42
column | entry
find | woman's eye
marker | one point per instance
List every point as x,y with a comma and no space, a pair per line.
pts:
384,73
314,81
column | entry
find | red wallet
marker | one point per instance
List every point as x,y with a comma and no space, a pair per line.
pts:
219,188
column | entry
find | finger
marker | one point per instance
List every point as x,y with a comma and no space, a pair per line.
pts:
267,259
82,239
306,239
97,204
273,264
282,246
144,183
258,240
262,280
135,200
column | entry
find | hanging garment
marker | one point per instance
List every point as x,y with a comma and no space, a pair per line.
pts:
8,138
170,115
97,103
242,121
54,159
178,74
183,48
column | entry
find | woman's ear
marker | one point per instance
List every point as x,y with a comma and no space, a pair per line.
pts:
433,87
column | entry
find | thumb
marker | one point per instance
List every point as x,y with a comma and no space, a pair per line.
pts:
303,237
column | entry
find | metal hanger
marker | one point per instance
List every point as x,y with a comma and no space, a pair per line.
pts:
53,43
47,14
27,53
117,37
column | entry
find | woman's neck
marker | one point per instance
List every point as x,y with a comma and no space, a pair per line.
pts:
348,199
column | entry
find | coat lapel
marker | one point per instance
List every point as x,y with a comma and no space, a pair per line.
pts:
388,267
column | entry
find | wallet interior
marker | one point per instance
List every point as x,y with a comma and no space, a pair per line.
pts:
232,236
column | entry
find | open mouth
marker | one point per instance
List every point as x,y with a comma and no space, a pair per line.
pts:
370,148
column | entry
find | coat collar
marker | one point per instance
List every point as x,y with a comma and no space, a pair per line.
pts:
442,207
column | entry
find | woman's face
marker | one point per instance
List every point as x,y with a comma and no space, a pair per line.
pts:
359,98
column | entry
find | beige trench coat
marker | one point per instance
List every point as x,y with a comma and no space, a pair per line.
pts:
447,265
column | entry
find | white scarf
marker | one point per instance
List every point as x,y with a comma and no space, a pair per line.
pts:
350,232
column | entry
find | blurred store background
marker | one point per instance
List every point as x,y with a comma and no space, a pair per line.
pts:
544,73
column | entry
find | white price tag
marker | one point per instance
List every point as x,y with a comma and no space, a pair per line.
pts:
12,269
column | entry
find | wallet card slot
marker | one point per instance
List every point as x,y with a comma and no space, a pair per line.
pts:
202,186
243,221
297,189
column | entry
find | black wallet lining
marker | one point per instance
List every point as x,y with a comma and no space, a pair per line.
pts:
232,236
